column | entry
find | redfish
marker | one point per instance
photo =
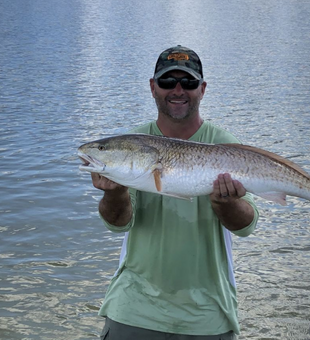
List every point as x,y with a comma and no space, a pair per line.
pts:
186,169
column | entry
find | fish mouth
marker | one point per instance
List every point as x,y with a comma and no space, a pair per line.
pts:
90,164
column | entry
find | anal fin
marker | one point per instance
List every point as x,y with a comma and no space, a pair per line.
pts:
278,197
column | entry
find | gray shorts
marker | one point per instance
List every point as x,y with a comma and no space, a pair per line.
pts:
113,330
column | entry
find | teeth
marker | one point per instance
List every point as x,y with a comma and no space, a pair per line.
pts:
178,101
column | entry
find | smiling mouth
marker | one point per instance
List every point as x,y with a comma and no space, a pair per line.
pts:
178,102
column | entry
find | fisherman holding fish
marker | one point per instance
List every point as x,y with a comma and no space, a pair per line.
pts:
175,278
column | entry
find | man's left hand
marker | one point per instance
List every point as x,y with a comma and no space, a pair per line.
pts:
226,189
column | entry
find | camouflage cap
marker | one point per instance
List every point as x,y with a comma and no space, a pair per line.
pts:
179,58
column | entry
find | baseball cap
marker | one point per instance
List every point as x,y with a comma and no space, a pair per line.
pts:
179,58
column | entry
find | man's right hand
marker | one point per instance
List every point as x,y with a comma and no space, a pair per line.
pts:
103,183
115,206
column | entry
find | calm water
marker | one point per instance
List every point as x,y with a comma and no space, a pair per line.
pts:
72,71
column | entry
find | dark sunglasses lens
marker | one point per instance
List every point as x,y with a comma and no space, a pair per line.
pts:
189,84
171,83
167,83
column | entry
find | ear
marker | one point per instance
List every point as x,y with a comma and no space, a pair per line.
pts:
152,86
203,89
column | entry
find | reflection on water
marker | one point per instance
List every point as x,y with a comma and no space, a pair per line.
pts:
273,274
76,70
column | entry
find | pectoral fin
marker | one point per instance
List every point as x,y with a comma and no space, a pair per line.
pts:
157,173
157,179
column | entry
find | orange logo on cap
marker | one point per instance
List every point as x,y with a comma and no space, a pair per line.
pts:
178,56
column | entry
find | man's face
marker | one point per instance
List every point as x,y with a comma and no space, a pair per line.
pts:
177,103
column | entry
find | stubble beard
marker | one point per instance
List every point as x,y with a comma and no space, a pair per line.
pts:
164,109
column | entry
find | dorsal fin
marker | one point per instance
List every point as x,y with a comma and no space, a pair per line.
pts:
270,155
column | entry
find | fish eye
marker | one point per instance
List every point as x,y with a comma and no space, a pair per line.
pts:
100,147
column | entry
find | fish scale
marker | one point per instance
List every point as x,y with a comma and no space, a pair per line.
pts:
186,169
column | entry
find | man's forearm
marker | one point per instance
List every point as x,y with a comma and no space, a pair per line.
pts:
234,212
116,208
234,215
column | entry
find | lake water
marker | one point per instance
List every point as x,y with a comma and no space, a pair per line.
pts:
73,71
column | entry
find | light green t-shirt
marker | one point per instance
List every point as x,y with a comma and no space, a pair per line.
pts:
176,267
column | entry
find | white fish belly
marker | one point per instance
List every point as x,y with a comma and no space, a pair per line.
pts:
192,183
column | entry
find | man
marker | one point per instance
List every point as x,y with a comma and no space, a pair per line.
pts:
175,279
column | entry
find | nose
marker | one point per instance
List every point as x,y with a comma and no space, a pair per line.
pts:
178,88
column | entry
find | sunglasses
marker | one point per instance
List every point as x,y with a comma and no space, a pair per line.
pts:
171,82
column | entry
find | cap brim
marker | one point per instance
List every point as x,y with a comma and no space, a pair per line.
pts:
177,68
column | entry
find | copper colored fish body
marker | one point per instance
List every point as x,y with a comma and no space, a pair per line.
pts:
186,169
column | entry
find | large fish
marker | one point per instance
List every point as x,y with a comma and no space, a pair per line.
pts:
186,169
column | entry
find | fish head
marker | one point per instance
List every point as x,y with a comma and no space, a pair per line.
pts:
118,158
91,155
